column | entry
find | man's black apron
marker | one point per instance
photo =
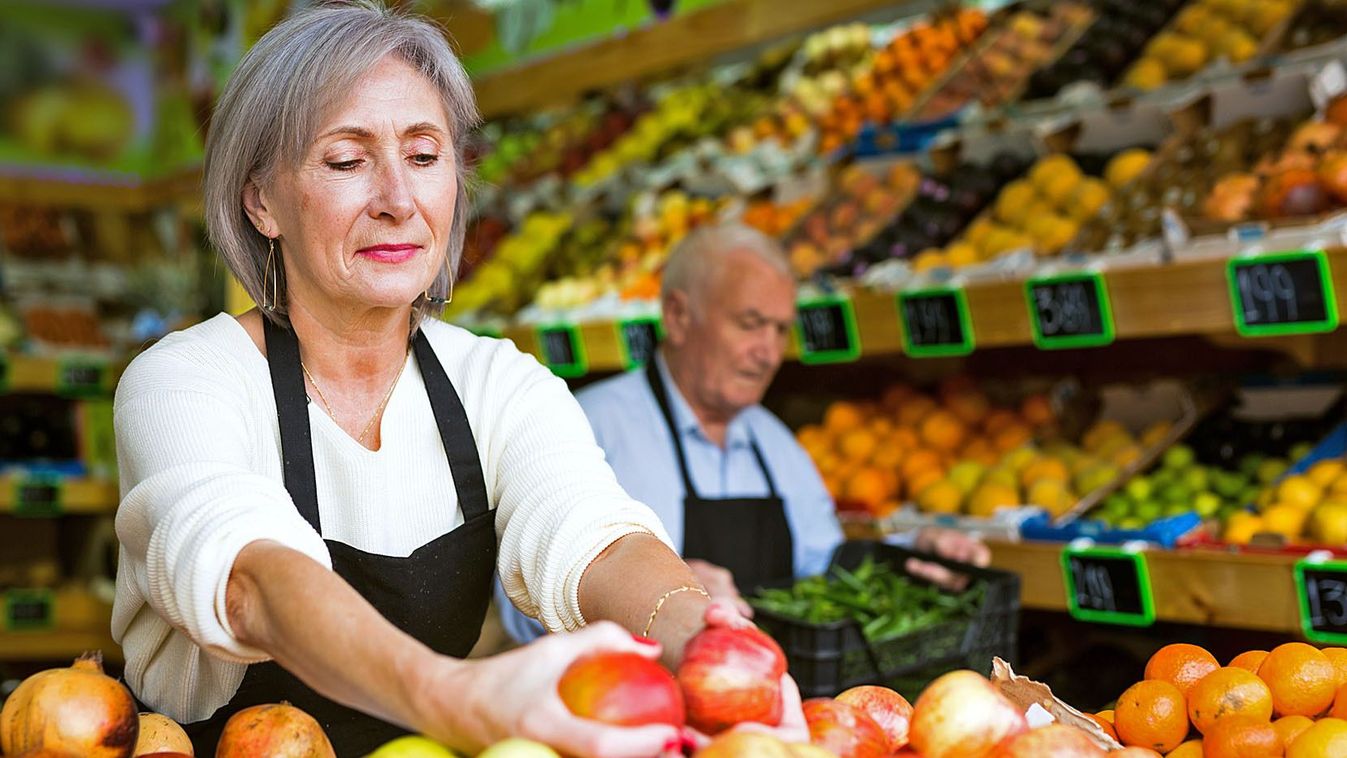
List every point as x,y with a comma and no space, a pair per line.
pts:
747,535
438,594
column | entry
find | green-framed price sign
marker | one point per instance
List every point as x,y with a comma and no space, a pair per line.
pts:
1108,586
825,330
935,322
563,349
638,338
28,610
37,496
1282,293
1069,310
1322,587
80,376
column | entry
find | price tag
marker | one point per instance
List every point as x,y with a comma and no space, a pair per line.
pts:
563,350
639,338
37,497
80,377
1069,310
1108,586
826,330
1323,600
1282,293
935,322
29,610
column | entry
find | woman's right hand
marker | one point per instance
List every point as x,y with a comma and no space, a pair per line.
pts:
472,704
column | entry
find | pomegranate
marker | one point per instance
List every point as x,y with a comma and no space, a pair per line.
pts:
277,730
844,729
961,715
887,708
161,734
1291,193
1056,740
730,676
77,710
623,689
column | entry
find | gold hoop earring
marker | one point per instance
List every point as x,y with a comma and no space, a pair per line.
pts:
266,274
440,300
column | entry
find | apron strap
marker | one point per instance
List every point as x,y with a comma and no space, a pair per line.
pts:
762,464
455,432
292,411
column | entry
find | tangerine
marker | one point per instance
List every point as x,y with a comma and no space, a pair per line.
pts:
1134,752
1037,410
858,445
1290,727
869,485
969,407
942,430
1013,437
1326,739
1339,709
1104,724
997,420
1228,692
1182,665
1242,737
843,416
918,463
914,410
1151,714
1338,657
888,456
1302,680
1189,749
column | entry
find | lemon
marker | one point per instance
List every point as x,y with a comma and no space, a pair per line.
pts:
1126,166
1326,472
1328,524
940,497
1241,528
1285,519
1300,491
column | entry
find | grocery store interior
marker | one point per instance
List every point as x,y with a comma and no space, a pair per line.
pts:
1064,279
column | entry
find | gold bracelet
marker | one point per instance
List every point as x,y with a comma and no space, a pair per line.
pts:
660,603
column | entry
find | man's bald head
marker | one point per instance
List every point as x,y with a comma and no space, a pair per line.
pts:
698,263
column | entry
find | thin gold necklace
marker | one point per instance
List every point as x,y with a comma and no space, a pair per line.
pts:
377,411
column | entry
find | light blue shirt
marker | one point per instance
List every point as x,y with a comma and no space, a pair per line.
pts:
632,432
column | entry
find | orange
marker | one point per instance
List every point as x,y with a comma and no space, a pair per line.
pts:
1189,749
888,456
1151,714
970,407
919,462
905,438
1104,724
1242,737
916,484
1338,657
1326,739
991,497
843,416
942,430
914,409
1302,680
998,420
1134,752
858,445
1228,692
869,486
1015,436
1042,469
940,497
1339,709
1107,715
1290,727
1249,660
1037,410
1181,665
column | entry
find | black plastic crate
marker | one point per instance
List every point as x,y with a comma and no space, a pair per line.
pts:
828,658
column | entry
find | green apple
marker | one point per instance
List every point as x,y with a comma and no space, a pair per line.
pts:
413,747
1148,511
1177,493
516,747
1299,450
1248,465
1176,509
1178,457
1131,522
1272,469
1138,488
1206,504
1196,478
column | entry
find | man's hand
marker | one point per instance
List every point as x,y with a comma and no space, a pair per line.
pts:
719,584
951,544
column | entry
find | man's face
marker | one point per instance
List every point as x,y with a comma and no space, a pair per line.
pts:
732,336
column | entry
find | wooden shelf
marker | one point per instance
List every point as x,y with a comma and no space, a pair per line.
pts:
1244,591
76,496
98,194
75,375
1170,300
79,622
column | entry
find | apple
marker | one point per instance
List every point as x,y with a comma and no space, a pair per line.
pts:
412,746
622,689
961,715
1056,740
730,676
517,747
844,729
888,709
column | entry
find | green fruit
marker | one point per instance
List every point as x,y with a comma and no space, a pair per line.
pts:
413,747
1131,522
1148,511
1206,504
1299,450
1176,509
516,747
1139,488
1177,493
1178,457
1227,484
1248,465
1197,478
1272,469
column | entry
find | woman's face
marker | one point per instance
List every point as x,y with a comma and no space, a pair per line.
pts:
364,220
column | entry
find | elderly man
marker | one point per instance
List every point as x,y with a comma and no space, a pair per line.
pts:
688,436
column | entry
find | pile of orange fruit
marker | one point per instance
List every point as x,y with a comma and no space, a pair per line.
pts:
873,455
1289,702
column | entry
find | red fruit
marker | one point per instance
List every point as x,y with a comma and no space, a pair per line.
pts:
844,729
730,676
745,745
277,730
1333,175
961,715
1293,192
623,689
1055,740
888,709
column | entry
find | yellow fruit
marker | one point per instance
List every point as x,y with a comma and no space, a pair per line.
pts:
1044,468
1299,490
1241,528
1013,201
941,497
1019,459
1098,435
1146,74
1126,166
1051,495
1091,196
1185,57
929,259
1062,187
1325,472
1049,168
1002,476
1327,525
961,254
1051,232
1286,520
1237,45
966,475
990,498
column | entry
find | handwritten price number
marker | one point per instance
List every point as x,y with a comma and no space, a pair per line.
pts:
1271,288
820,333
1328,602
1064,308
640,338
557,347
1094,586
930,322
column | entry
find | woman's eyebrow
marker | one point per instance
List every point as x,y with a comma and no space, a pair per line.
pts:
421,127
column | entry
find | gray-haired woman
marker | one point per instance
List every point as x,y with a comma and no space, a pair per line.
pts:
316,494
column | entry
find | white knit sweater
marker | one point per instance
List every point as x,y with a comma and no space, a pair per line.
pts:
198,446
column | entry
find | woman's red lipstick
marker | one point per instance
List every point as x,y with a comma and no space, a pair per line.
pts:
396,253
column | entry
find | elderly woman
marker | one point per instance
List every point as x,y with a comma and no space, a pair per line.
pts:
317,493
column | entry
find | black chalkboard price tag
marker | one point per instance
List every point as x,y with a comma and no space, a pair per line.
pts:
826,330
1322,587
80,377
563,350
1282,293
935,322
29,610
37,497
1069,310
1108,586
639,337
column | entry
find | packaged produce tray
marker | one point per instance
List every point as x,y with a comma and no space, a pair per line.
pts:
828,658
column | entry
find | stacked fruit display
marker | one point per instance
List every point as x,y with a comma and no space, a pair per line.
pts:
1308,508
1204,31
861,205
506,279
1181,485
1118,35
564,146
1291,701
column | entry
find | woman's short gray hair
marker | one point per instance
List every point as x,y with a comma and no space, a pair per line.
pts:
269,114
694,263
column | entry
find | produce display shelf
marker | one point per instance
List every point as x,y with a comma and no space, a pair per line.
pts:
1186,297
1227,590
99,193
73,375
75,496
54,646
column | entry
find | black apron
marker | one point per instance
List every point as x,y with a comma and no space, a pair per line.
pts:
747,535
438,594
